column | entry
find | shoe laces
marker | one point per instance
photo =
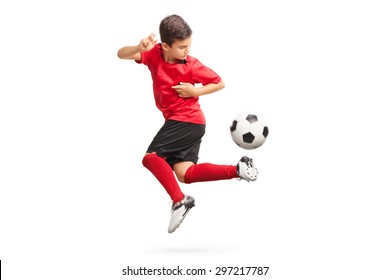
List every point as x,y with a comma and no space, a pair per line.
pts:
248,162
249,165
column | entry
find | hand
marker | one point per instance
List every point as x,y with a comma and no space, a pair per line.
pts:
147,43
185,90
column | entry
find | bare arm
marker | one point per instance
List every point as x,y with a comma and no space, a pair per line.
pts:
186,90
134,52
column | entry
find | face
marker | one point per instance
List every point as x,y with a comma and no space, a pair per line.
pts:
178,51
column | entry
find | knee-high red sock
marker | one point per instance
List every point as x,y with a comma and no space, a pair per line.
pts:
164,174
209,172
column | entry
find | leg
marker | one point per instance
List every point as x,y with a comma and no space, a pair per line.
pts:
166,149
188,172
163,172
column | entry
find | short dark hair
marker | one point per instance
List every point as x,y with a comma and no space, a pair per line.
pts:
173,28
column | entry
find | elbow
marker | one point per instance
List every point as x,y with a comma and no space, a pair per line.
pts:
120,54
221,84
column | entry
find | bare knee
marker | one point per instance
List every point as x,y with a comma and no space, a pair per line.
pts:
181,168
180,174
180,177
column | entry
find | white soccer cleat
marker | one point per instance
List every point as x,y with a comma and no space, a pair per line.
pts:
179,211
246,170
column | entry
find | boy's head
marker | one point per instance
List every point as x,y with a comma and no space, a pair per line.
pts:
174,28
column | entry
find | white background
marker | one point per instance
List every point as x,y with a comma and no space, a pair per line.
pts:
75,200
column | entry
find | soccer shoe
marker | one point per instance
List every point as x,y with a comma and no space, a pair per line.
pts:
179,211
246,170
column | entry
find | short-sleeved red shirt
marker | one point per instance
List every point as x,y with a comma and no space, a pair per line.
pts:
166,75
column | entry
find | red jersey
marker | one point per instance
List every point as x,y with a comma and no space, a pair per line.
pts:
166,75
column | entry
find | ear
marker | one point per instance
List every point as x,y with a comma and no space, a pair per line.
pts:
165,46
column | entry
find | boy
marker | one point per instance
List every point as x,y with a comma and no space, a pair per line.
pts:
176,145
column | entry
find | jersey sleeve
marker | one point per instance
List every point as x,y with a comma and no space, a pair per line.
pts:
147,57
143,59
203,74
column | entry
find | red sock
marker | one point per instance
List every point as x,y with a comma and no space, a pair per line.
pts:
209,172
164,174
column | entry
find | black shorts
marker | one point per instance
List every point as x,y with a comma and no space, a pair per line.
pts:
178,141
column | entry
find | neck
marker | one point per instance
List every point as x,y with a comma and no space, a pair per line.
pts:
169,59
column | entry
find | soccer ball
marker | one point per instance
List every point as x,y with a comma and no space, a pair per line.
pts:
249,130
